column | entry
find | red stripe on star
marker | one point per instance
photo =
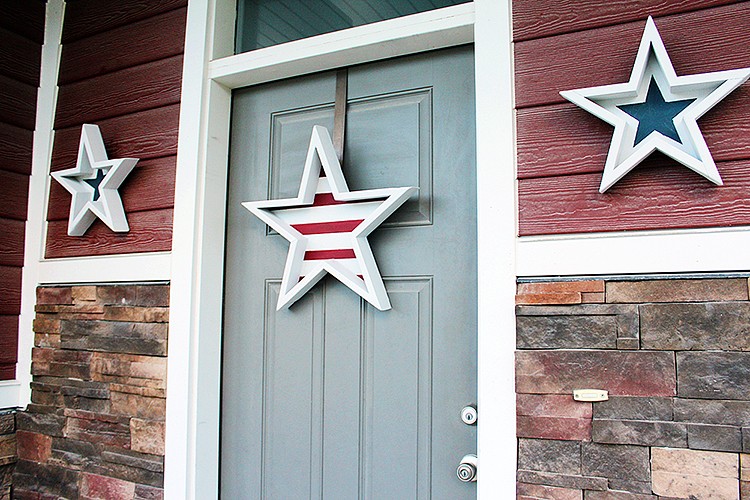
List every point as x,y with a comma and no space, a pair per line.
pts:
330,254
342,226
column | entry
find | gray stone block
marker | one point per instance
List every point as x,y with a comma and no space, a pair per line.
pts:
702,326
575,482
577,326
714,437
746,439
616,461
563,457
50,480
628,344
713,375
572,332
634,408
707,411
620,495
42,423
640,432
115,336
638,487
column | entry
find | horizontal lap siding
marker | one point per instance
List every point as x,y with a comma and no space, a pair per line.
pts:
562,148
21,37
121,69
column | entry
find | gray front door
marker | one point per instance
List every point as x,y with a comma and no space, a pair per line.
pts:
333,398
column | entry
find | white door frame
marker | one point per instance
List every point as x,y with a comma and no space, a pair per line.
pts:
210,73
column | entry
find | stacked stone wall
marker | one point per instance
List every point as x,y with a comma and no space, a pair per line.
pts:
674,356
95,427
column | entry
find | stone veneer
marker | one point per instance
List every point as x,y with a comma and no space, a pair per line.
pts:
674,355
95,427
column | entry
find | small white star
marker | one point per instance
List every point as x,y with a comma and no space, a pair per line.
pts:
657,111
327,227
94,184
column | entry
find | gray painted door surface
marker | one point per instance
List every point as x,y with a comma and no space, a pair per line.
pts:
332,398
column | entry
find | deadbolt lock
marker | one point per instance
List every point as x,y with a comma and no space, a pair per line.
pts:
469,415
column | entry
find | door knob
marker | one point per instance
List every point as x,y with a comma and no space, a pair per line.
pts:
467,469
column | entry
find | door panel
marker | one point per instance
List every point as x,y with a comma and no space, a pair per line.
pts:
332,398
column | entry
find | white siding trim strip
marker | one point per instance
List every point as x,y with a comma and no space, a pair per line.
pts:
642,252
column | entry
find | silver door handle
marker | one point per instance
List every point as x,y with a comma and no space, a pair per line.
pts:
467,469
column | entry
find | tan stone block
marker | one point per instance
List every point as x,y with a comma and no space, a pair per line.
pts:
138,406
149,392
688,290
147,436
48,340
137,314
592,297
704,463
540,491
130,369
83,294
46,324
745,467
71,311
588,286
674,484
548,298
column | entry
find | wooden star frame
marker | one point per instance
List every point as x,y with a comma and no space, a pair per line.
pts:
94,185
652,62
327,227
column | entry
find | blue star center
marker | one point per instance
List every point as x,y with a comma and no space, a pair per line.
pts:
95,182
656,114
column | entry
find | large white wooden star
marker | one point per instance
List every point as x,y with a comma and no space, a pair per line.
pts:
94,183
327,227
657,111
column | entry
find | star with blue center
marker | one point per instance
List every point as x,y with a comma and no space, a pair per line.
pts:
94,185
656,110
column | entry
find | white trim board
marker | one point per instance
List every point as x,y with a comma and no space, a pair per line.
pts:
642,252
38,186
191,462
124,268
10,394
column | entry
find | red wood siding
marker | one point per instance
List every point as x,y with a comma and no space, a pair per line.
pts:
21,37
121,69
562,148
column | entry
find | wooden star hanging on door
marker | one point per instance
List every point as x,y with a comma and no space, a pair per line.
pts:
657,111
327,227
94,183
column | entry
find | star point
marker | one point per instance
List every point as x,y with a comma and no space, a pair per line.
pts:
656,110
93,184
327,227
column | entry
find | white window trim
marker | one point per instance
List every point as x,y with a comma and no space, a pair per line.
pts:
193,387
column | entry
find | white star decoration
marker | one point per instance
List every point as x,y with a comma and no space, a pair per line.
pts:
93,184
327,227
669,119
